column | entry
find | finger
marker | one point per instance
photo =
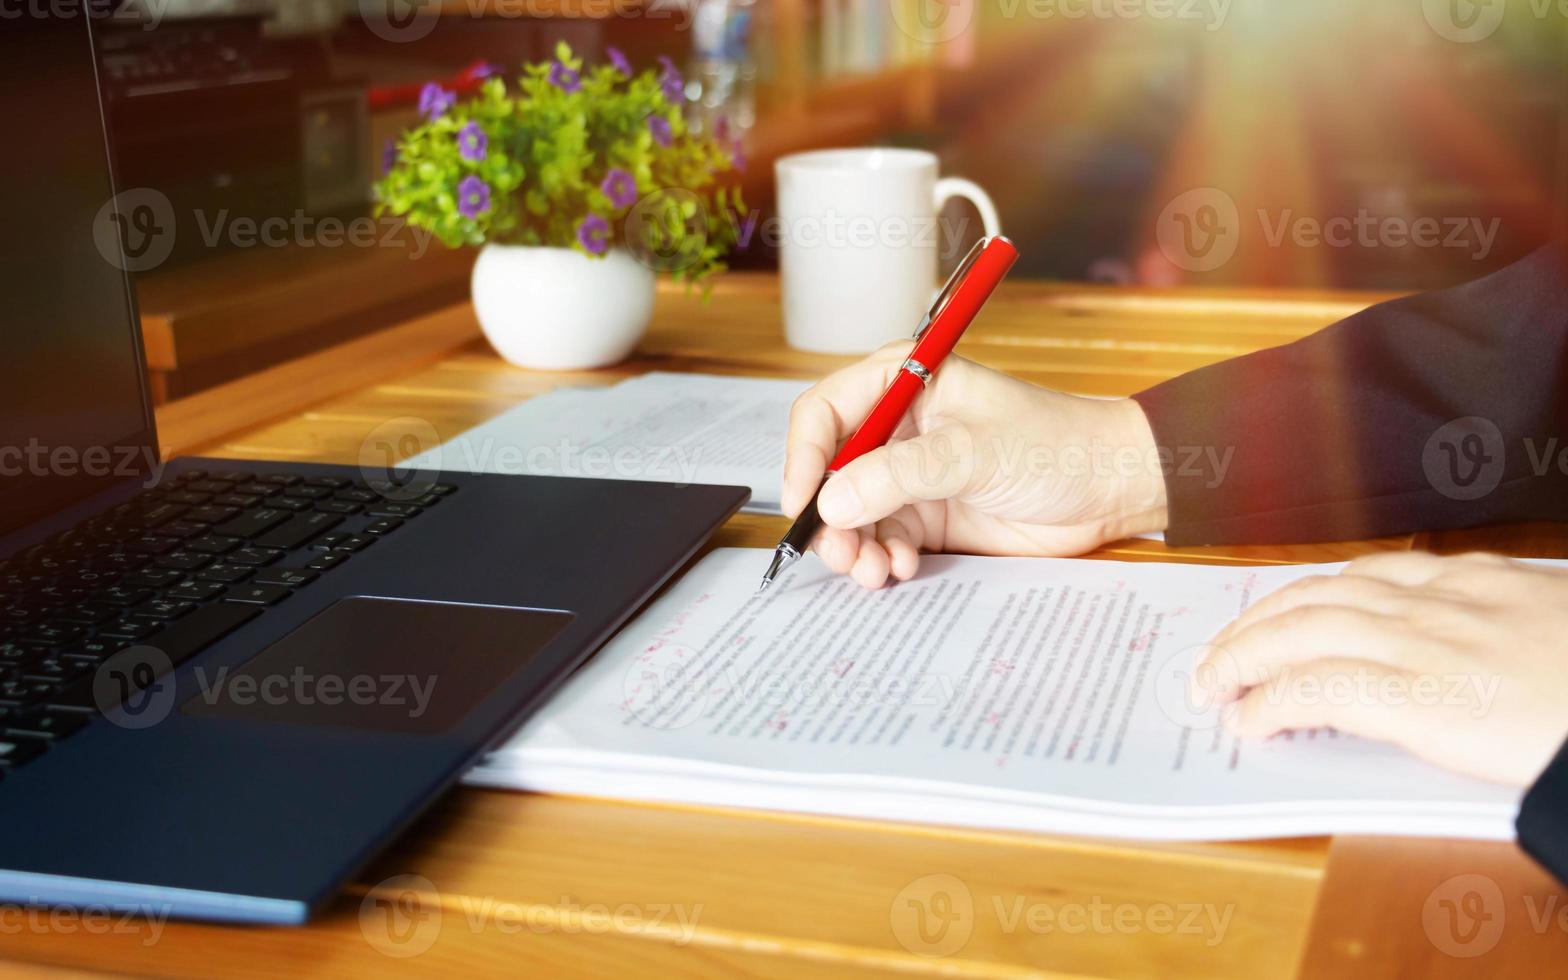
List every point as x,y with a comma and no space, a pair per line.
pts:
1356,697
837,548
1301,636
902,551
1359,592
825,415
935,465
872,565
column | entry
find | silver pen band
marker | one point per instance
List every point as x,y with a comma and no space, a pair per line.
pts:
918,370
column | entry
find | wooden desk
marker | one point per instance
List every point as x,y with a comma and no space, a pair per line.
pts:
529,884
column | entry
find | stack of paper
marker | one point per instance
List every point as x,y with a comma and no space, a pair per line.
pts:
1009,693
667,428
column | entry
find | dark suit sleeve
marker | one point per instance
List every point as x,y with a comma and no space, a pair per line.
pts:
1437,411
1543,818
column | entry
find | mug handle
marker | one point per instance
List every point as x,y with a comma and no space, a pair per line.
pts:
950,187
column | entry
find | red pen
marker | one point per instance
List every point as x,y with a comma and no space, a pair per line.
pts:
955,308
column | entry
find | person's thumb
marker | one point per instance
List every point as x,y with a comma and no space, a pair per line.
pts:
935,465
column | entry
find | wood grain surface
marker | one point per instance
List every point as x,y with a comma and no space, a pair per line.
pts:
495,882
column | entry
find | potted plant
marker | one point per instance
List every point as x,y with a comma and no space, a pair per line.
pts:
580,186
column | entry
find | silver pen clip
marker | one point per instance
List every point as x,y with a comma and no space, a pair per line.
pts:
946,292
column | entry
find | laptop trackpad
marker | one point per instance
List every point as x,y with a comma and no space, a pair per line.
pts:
390,665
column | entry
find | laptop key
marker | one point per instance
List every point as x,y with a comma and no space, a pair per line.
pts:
328,560
48,635
254,556
119,595
127,629
152,545
88,613
152,578
43,724
291,578
16,751
161,609
227,574
299,529
19,691
185,561
214,544
260,595
253,522
384,526
337,507
211,515
56,670
395,510
194,591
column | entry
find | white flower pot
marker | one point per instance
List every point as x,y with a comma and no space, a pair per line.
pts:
556,309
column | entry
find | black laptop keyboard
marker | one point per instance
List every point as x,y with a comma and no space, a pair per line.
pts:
175,568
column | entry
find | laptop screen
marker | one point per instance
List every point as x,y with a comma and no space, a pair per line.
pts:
76,415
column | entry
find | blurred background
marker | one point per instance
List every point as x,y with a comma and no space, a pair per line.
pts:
1330,144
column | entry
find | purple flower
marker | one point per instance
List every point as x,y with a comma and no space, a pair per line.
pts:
472,143
434,101
670,81
721,128
473,197
487,70
738,156
564,78
660,128
594,234
619,62
388,156
619,187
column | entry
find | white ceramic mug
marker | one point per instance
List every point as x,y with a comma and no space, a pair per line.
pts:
859,236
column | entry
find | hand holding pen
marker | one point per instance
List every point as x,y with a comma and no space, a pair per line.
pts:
984,463
954,309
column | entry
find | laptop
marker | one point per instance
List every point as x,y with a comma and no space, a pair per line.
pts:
226,684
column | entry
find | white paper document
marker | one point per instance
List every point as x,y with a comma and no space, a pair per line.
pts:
667,428
1030,694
